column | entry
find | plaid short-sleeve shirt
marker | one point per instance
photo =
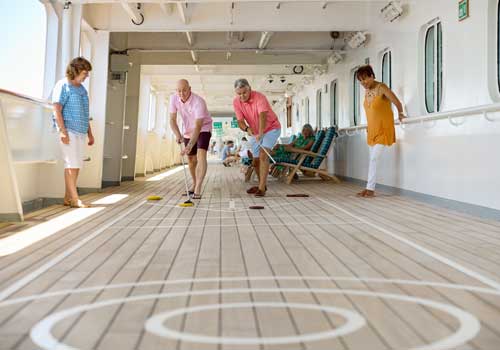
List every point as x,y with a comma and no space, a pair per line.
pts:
75,105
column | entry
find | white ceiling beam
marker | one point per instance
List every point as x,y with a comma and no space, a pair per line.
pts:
250,50
131,10
264,39
182,12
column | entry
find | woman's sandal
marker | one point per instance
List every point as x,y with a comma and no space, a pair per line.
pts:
361,194
196,196
366,194
78,204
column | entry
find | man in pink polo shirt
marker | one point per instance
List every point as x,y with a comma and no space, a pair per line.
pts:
256,117
197,131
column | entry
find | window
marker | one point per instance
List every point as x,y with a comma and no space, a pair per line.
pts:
355,98
306,110
333,104
318,108
387,69
433,68
498,46
297,116
152,111
23,48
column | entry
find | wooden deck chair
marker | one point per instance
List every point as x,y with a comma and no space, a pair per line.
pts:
310,161
277,169
293,160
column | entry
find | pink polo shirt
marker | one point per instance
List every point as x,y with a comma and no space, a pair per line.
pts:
191,110
250,110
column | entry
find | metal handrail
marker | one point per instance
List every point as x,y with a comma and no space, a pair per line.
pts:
26,98
482,110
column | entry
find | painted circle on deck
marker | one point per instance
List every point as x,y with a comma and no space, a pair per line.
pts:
469,325
156,326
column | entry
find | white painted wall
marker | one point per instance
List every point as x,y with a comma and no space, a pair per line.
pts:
155,148
440,160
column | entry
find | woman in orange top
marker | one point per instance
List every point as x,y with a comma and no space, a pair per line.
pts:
380,121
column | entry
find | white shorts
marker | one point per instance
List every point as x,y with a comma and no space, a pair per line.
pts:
73,153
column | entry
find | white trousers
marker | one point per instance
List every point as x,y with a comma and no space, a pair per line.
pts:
375,152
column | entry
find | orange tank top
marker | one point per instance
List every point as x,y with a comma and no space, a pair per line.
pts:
380,120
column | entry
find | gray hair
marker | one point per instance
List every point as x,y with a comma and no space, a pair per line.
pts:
309,127
241,83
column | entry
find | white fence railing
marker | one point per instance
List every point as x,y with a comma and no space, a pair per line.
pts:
478,111
31,134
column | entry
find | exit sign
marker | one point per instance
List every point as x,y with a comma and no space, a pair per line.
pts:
217,125
234,123
463,9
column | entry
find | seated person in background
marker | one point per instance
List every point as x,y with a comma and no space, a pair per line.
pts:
226,156
304,141
282,153
243,148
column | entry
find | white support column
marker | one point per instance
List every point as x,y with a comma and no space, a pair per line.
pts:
91,174
76,23
71,19
142,125
51,47
66,37
131,117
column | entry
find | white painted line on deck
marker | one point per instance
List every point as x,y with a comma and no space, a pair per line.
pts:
200,206
48,265
156,324
465,270
211,280
41,333
240,225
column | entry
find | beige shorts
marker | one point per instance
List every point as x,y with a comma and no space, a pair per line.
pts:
74,153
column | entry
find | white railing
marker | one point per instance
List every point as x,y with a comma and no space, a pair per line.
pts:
478,111
31,134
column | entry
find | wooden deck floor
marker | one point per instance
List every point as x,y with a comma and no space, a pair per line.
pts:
331,271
